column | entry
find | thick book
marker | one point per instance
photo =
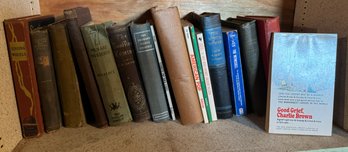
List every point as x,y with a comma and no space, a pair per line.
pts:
210,25
105,70
77,17
235,72
196,70
124,53
146,56
266,25
301,84
23,71
167,88
67,80
46,78
253,72
172,42
205,68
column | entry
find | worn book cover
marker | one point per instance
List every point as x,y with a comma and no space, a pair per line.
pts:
67,80
77,17
301,84
172,42
105,70
23,71
46,78
124,53
146,56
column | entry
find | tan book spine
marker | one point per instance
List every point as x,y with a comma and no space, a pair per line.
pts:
167,23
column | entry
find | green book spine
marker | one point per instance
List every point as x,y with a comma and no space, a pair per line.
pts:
200,72
106,73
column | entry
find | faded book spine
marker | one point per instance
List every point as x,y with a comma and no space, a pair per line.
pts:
167,23
75,18
24,78
217,64
205,67
145,51
164,75
106,73
123,49
196,74
46,79
67,81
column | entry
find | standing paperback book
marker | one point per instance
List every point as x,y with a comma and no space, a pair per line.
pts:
301,84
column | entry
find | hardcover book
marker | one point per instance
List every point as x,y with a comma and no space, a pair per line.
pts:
167,23
197,73
106,73
235,72
205,68
301,84
123,49
266,25
164,75
146,55
253,72
210,25
67,80
46,78
77,17
23,71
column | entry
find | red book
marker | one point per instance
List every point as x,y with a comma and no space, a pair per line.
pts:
23,71
266,25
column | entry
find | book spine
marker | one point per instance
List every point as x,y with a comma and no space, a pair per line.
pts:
205,68
195,73
145,51
46,79
67,81
235,72
201,73
24,79
123,49
106,73
167,23
75,20
217,65
163,73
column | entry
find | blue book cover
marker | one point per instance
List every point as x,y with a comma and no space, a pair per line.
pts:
302,82
217,63
235,72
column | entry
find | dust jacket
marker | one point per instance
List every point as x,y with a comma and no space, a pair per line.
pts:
301,84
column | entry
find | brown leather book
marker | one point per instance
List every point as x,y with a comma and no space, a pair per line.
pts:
46,78
77,17
23,71
123,49
172,41
67,81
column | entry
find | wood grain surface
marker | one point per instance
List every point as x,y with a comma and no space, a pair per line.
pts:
123,11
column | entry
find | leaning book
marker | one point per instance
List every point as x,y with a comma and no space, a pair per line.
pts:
301,84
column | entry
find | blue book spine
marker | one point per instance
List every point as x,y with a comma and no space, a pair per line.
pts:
235,72
217,65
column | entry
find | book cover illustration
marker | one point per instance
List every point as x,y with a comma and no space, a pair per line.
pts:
301,84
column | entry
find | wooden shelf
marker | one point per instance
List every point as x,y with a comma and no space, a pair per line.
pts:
237,134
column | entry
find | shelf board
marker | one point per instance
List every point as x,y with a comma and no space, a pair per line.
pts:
237,134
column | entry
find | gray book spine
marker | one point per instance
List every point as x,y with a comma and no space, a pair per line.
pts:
146,55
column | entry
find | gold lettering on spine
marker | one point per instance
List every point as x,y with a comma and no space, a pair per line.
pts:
18,70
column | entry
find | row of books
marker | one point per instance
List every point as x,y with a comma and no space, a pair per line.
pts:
114,73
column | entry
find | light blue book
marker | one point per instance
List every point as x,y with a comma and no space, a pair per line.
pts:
301,86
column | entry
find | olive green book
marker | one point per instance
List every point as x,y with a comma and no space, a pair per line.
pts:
106,73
